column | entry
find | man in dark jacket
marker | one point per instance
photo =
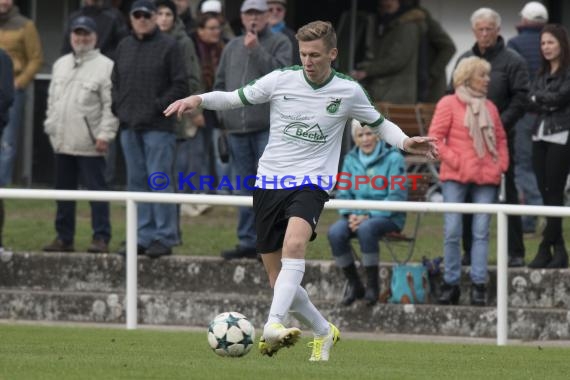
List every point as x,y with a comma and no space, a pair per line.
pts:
111,27
533,17
6,100
245,58
149,74
508,89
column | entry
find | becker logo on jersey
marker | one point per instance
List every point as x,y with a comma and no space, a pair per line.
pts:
302,131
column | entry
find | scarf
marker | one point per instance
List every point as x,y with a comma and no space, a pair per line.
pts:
210,55
367,159
478,121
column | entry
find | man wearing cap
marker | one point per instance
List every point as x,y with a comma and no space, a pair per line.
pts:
508,90
80,125
527,43
277,12
256,53
149,73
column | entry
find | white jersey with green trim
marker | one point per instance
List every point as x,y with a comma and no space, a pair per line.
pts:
307,122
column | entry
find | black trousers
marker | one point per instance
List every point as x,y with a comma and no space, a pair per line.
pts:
551,164
515,232
70,171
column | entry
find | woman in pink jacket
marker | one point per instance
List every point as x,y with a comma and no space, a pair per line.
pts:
473,152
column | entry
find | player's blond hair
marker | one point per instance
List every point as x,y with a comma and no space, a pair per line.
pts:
317,30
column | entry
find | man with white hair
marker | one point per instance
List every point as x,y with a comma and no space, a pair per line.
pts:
527,43
508,91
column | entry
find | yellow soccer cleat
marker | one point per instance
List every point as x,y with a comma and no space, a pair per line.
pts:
322,345
276,336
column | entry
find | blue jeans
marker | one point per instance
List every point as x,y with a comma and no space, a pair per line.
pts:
368,234
525,178
198,158
455,192
245,152
70,171
147,152
9,145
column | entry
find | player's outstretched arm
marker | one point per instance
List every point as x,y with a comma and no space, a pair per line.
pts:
182,106
422,145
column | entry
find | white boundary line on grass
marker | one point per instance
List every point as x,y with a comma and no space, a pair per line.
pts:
132,198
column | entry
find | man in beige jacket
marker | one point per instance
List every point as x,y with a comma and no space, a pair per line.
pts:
80,124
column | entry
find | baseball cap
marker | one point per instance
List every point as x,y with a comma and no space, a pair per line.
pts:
213,6
145,6
535,11
258,5
85,23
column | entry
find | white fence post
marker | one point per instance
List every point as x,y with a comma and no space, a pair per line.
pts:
502,278
131,257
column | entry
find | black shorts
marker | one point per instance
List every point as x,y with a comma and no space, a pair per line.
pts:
273,208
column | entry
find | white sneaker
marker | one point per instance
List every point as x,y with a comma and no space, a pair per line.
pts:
189,210
276,336
322,345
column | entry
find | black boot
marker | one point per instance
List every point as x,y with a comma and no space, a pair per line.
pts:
478,294
354,289
560,257
372,288
449,294
542,258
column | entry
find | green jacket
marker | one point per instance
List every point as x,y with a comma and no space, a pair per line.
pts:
392,66
184,127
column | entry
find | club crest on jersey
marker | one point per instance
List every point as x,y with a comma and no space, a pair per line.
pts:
305,132
334,103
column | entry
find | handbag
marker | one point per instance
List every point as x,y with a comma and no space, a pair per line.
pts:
223,147
409,284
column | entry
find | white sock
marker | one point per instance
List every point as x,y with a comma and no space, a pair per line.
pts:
288,280
303,309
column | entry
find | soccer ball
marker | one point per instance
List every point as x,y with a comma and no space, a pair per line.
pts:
231,334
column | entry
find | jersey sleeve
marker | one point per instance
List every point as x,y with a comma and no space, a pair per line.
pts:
260,90
363,110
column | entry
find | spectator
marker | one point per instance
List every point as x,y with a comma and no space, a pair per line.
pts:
209,47
19,38
215,7
111,27
508,90
277,13
6,99
244,59
550,97
436,50
473,152
184,13
369,157
533,17
390,71
149,73
190,150
80,124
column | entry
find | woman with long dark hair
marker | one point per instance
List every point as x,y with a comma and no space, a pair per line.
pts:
550,97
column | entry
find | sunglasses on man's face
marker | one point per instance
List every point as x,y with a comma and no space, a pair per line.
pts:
139,15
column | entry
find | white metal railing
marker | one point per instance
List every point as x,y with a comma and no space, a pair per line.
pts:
132,198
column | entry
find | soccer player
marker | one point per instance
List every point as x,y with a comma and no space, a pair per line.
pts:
310,106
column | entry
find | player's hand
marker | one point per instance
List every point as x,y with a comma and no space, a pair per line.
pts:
182,106
422,145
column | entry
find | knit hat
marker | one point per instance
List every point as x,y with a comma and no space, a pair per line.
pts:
211,6
168,4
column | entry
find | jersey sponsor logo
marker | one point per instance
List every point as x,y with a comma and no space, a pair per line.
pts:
302,131
333,105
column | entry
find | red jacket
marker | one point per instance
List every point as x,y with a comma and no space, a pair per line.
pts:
459,161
